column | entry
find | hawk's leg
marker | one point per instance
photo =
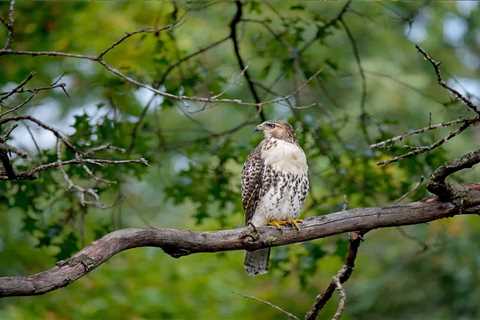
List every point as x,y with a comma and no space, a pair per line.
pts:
254,234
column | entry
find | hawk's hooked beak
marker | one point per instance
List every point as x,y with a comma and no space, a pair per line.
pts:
259,128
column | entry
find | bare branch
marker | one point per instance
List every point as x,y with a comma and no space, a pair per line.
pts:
236,48
31,174
126,78
12,110
268,303
144,30
386,143
422,244
178,243
341,277
465,123
456,94
6,95
409,192
333,22
9,24
10,52
343,297
82,192
45,126
35,90
446,192
363,97
103,147
32,136
190,56
422,149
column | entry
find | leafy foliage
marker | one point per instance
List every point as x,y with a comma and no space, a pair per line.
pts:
300,51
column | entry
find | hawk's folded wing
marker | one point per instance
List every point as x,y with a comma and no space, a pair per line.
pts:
251,182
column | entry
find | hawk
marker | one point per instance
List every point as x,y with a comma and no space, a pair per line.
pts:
274,185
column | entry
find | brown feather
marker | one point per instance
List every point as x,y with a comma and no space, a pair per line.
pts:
251,182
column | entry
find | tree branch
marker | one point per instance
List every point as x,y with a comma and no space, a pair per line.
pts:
446,192
401,137
9,24
465,123
436,66
341,277
236,48
321,30
268,303
31,174
6,95
130,34
363,95
178,243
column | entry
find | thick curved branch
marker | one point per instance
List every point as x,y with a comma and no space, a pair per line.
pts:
446,192
178,243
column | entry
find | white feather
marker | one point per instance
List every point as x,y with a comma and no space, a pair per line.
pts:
286,157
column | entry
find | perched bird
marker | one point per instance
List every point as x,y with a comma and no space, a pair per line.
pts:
274,185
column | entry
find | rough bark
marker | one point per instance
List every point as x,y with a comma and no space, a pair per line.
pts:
183,242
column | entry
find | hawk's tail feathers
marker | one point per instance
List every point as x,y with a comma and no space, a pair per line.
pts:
256,262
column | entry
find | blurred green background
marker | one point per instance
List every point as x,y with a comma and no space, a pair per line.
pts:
196,151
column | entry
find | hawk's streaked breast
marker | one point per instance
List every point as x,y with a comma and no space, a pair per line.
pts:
284,182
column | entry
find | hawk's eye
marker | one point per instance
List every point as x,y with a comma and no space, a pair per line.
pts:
270,125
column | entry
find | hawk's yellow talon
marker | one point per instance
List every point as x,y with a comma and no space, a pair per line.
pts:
291,222
295,223
276,223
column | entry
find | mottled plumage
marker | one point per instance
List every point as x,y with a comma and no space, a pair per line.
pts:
274,184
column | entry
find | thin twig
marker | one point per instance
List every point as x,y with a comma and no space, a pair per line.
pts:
321,30
363,97
388,142
190,56
423,149
424,246
268,303
456,94
144,30
409,192
35,90
32,136
17,89
31,174
45,126
12,110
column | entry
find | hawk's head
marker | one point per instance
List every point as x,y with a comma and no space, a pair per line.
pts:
277,129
